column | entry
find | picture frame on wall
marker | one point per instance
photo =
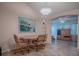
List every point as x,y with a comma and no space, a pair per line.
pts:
26,25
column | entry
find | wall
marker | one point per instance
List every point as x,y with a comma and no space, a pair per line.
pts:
9,23
9,26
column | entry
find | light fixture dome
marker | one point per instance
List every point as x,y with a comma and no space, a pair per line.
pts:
62,20
45,11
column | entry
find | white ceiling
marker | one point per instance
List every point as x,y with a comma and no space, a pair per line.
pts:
57,7
68,19
32,9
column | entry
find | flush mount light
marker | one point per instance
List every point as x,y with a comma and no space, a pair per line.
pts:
45,11
61,20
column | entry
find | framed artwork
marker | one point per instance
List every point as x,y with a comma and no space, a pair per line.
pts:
26,25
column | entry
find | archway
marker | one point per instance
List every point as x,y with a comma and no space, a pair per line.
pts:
64,28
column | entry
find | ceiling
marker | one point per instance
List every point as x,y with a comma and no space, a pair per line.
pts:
32,9
68,20
57,7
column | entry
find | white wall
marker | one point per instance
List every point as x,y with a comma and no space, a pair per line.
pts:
9,26
9,23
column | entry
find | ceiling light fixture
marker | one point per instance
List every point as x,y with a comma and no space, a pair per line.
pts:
61,20
45,11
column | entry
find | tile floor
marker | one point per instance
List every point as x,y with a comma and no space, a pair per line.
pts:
58,48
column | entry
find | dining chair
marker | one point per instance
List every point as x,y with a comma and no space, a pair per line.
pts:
31,45
40,42
42,38
20,46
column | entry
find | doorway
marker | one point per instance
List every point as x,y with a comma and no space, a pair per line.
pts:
64,29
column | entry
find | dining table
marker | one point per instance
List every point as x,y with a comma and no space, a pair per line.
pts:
29,39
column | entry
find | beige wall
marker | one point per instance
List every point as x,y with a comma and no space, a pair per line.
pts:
9,14
8,28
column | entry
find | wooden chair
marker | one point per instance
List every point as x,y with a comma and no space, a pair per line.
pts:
18,42
39,47
40,42
42,38
31,45
19,45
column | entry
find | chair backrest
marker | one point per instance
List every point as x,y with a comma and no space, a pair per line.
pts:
42,38
16,39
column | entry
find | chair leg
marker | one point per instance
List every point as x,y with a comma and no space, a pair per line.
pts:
36,48
20,51
28,51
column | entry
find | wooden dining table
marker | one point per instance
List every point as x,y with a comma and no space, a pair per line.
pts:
31,42
28,38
